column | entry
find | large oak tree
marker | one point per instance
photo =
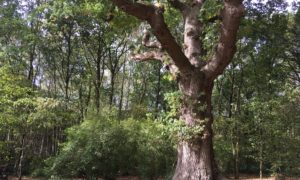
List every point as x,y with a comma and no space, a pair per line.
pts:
195,75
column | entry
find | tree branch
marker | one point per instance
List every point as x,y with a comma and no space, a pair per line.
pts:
148,56
147,43
177,5
192,32
139,10
156,56
231,16
199,2
154,16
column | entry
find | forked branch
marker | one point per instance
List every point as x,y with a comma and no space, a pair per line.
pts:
154,16
231,16
148,56
150,44
156,56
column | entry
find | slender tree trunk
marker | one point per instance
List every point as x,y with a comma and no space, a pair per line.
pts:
237,160
57,137
42,146
158,91
260,158
260,169
37,71
143,91
8,136
220,89
112,88
88,98
122,91
81,103
47,143
234,135
31,59
237,143
97,86
53,142
21,157
54,82
231,93
67,90
68,64
129,85
99,74
235,155
31,54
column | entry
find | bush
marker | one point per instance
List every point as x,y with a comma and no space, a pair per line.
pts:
105,146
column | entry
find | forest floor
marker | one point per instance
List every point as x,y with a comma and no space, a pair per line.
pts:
242,177
255,177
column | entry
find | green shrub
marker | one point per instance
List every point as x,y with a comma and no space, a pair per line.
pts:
105,146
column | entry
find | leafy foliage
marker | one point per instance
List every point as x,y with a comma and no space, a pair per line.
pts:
104,146
72,104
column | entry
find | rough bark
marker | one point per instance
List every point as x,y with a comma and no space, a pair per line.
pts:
192,33
194,76
195,156
154,16
231,15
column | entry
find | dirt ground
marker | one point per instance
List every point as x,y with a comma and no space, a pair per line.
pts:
267,178
243,177
255,177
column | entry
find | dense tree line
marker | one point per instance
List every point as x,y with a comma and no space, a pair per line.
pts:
75,100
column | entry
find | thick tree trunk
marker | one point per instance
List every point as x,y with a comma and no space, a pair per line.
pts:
195,155
194,75
195,160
